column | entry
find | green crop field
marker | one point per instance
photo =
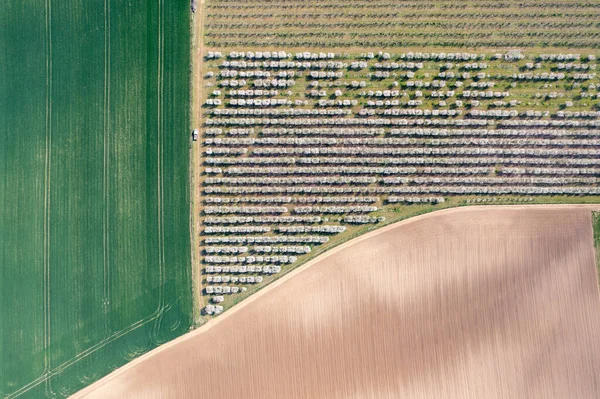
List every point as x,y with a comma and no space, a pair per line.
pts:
94,188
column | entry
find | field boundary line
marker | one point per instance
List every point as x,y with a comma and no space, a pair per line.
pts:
456,209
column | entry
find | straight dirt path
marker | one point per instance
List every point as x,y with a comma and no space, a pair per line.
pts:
197,22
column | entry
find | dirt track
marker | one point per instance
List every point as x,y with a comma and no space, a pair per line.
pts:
197,52
482,302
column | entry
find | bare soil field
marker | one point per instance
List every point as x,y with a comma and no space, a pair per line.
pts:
494,302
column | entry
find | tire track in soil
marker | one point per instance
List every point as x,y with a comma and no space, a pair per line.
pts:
106,153
160,174
47,192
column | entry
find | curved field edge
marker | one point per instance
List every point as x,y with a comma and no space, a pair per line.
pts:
240,307
95,198
394,214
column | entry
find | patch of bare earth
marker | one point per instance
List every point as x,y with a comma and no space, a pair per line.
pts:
466,303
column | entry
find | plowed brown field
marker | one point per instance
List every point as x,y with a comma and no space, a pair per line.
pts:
485,302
